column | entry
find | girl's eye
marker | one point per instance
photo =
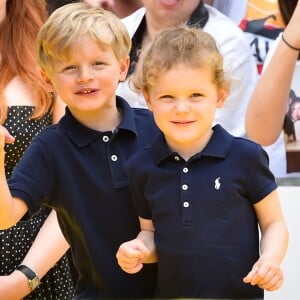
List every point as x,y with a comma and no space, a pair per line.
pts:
196,97
166,98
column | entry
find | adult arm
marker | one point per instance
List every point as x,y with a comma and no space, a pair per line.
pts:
268,104
49,246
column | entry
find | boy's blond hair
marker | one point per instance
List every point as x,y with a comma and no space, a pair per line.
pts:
69,23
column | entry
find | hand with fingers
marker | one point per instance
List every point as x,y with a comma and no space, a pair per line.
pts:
265,274
5,137
131,256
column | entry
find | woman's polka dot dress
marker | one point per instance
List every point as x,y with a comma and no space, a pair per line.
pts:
15,242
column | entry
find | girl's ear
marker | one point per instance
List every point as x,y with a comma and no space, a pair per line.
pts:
222,95
147,99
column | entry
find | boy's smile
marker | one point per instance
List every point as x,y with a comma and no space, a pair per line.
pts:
88,81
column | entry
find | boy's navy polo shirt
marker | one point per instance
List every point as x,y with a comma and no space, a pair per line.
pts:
79,172
206,231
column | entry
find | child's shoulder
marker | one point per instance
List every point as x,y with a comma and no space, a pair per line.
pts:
144,120
239,145
50,135
140,159
248,150
245,143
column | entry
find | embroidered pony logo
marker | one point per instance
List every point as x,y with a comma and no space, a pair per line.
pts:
217,183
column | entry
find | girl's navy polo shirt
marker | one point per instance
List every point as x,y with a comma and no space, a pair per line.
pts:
206,231
79,172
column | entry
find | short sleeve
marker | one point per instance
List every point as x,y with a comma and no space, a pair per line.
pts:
261,181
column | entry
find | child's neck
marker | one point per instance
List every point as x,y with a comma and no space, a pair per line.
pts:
187,150
102,121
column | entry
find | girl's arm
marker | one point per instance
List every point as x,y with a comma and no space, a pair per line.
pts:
133,254
266,272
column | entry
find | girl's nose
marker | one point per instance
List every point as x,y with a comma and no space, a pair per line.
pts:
182,105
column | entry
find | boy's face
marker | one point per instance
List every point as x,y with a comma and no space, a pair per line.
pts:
88,81
184,103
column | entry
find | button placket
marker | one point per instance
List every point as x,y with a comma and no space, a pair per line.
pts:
186,205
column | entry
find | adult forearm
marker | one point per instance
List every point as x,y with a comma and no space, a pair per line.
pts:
268,104
14,286
48,247
269,101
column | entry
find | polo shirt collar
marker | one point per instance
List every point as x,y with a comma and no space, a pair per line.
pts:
83,136
218,146
198,19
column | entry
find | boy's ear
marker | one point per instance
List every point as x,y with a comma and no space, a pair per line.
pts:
124,68
47,81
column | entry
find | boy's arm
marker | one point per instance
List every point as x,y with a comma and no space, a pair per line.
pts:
48,247
133,254
12,210
266,272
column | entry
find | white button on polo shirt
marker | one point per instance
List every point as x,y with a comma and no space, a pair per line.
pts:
105,138
184,187
114,157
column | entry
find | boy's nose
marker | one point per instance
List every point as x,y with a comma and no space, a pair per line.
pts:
86,75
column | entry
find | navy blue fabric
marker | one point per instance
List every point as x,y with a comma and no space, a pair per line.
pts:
79,172
206,231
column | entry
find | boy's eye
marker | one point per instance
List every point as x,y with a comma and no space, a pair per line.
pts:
71,67
195,95
98,63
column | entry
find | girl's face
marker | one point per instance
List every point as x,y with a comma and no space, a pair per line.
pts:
184,103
